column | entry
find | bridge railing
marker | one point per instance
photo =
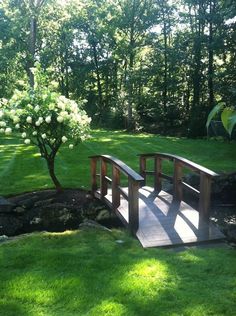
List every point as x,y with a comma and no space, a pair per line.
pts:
206,175
99,171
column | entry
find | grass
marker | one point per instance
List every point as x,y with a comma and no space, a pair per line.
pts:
22,169
89,273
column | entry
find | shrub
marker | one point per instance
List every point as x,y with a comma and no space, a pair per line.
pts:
45,119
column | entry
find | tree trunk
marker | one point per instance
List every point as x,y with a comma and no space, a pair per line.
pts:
164,94
210,57
99,85
32,44
51,169
131,66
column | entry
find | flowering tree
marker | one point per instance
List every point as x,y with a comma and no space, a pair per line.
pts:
45,119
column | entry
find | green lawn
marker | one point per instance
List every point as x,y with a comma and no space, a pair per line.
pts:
89,273
22,169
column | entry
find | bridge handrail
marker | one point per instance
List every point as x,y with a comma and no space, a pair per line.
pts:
206,176
185,162
134,181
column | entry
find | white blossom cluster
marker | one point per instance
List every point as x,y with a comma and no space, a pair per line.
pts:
48,118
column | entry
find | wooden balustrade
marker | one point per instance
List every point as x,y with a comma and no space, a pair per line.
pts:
134,181
206,177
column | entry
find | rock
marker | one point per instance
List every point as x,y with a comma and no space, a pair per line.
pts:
10,225
89,196
19,210
43,203
108,219
3,238
5,205
103,214
36,221
28,203
57,217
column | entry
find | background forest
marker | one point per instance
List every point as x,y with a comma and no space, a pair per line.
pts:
153,65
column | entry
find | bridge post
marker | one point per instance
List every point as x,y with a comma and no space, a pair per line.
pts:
115,187
205,196
133,206
94,174
142,169
177,181
157,177
103,182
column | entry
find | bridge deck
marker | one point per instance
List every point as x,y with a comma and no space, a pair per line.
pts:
163,222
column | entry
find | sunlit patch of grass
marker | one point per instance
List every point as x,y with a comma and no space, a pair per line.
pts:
89,273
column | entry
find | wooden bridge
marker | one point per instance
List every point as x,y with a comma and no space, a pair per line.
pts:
156,217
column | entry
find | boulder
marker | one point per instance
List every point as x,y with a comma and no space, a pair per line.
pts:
3,238
19,210
10,225
5,205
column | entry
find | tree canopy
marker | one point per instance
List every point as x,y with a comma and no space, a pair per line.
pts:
155,65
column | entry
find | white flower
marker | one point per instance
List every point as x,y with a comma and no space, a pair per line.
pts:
48,119
37,108
2,124
37,123
23,135
40,119
2,130
13,111
8,131
16,119
60,119
44,136
17,126
27,141
64,114
35,133
1,114
51,106
29,119
64,139
71,146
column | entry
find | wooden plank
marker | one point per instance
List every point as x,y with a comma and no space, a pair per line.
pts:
185,162
124,193
157,179
115,187
177,181
93,164
165,222
103,182
189,187
142,168
133,206
108,180
205,196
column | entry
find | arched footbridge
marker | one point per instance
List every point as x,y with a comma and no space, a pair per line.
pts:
156,217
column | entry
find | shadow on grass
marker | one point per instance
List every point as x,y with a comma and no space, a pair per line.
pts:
89,273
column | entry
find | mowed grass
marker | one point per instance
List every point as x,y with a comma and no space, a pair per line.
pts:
22,169
89,273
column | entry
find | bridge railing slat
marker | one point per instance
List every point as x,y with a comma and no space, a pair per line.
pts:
134,183
206,176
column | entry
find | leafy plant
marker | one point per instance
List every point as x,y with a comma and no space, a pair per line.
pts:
228,116
45,119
